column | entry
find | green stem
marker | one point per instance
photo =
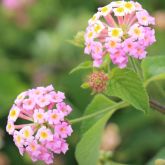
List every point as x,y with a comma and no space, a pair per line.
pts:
136,68
119,105
133,64
140,70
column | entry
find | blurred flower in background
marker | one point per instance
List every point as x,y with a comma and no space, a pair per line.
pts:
160,19
1,138
18,9
4,160
111,138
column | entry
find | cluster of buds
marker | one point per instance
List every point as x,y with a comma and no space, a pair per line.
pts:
120,29
45,129
98,81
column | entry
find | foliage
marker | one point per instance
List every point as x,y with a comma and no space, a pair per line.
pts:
36,52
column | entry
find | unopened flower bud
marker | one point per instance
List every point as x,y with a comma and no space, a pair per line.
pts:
98,81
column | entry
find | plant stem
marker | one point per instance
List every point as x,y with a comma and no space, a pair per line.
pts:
136,68
133,64
157,106
117,106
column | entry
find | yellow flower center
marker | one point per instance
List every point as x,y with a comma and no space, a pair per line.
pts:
90,34
18,139
44,135
20,97
120,9
26,133
39,116
128,5
137,31
9,126
97,28
104,9
115,32
94,18
13,113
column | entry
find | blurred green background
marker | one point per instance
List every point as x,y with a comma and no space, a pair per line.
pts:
34,51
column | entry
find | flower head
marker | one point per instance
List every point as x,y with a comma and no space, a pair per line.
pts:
121,25
46,129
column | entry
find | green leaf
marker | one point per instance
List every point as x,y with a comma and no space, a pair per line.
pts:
87,150
84,65
125,84
153,68
158,159
98,103
155,78
78,39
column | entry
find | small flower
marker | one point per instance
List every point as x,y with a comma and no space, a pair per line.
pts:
112,45
63,130
27,132
105,10
20,97
55,116
129,7
88,48
39,116
140,53
28,104
136,32
57,97
115,33
94,18
119,58
10,128
18,139
129,46
144,18
97,50
115,26
43,109
33,148
120,11
14,113
98,27
90,35
98,81
64,108
44,134
43,101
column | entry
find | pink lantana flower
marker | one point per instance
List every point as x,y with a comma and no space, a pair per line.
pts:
121,25
65,108
43,109
63,130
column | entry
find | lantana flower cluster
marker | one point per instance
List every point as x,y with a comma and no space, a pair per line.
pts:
121,29
45,129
